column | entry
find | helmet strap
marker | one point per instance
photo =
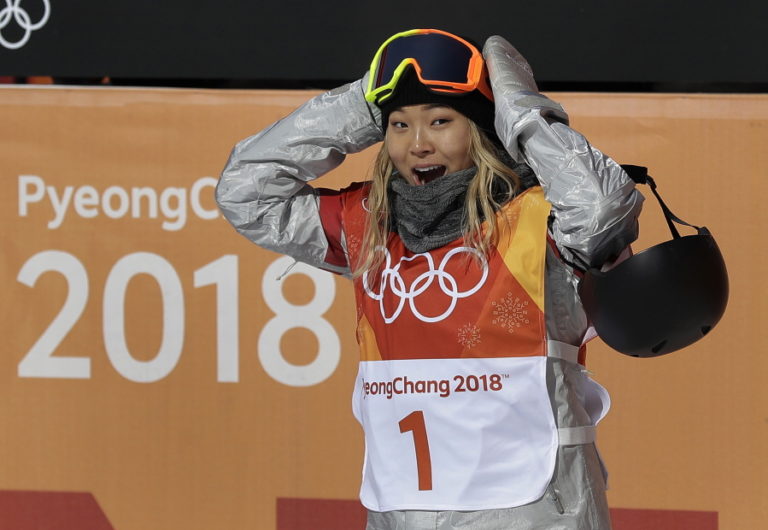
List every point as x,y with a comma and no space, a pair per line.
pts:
640,175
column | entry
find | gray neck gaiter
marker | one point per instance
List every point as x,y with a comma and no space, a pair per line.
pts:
429,216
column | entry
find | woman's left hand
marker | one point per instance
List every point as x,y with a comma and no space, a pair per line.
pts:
507,68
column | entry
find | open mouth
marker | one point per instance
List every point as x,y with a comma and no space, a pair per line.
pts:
425,175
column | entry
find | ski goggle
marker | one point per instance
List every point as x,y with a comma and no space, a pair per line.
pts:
442,61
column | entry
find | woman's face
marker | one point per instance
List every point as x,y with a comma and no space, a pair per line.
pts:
426,142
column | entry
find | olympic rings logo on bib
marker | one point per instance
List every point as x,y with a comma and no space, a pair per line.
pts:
434,278
13,10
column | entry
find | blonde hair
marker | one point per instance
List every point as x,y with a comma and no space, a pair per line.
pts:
479,203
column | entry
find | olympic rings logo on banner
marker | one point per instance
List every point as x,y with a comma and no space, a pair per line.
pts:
13,10
391,278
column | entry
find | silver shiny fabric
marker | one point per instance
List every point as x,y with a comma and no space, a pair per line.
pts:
263,192
596,205
574,500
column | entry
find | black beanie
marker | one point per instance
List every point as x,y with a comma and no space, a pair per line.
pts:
410,91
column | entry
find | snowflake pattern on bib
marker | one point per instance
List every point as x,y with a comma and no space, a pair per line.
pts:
469,335
510,312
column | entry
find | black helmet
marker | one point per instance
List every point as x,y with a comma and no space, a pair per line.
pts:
663,298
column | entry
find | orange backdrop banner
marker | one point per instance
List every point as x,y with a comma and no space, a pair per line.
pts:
159,371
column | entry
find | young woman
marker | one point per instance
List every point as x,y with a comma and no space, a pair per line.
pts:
465,249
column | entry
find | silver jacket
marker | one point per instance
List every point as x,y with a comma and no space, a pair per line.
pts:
263,192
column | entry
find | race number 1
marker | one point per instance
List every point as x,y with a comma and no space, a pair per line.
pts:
414,423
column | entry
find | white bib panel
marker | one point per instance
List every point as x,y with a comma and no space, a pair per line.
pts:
455,434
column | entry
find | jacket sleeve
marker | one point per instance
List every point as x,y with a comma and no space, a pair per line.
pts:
595,203
263,190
